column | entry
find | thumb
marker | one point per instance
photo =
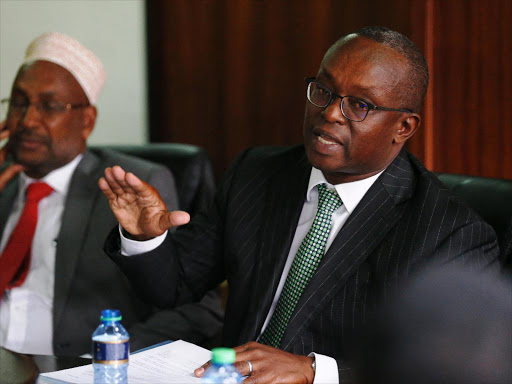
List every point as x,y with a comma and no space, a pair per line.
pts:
174,219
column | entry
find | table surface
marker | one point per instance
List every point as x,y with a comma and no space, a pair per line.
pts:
53,363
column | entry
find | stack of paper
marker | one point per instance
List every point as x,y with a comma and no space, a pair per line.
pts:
169,363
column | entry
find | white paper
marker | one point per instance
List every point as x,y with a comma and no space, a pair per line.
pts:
170,363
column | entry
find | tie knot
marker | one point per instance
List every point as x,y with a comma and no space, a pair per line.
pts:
38,191
328,201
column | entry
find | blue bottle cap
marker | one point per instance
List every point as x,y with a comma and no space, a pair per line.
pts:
111,315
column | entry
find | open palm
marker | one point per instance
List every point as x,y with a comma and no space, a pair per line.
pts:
137,205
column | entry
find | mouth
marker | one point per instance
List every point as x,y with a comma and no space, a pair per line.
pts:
30,142
325,143
327,140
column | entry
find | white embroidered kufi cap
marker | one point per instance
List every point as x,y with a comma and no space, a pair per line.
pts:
71,55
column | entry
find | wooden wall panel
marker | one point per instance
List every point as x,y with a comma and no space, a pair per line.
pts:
472,87
228,74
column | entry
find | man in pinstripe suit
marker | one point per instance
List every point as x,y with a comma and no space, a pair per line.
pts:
395,218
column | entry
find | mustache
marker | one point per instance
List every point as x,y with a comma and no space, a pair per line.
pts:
25,134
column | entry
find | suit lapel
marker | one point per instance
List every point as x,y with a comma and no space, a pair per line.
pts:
283,205
366,227
7,197
83,191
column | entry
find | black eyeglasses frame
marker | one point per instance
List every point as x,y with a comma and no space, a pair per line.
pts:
38,106
333,96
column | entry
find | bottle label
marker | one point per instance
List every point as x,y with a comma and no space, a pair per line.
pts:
111,352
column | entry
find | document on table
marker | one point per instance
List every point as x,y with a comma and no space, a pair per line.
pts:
170,363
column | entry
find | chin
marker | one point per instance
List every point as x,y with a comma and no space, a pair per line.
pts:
326,164
28,160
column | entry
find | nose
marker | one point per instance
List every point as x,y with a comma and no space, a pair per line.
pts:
31,116
332,113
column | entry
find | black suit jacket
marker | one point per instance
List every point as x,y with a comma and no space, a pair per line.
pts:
406,220
86,281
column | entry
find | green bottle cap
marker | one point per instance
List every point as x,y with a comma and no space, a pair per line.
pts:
223,355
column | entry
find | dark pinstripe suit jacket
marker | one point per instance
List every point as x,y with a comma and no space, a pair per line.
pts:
407,219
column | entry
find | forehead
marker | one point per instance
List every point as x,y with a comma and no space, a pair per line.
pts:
361,63
44,77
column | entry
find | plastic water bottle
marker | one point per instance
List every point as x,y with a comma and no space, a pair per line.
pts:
110,349
222,369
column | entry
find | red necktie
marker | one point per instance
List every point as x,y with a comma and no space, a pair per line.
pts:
15,259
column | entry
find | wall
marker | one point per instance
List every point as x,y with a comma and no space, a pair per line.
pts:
228,74
468,118
113,29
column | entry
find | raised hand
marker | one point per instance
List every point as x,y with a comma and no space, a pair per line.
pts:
7,174
137,205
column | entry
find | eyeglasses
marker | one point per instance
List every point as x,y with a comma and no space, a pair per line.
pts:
46,108
353,108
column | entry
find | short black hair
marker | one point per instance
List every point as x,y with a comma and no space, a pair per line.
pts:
418,73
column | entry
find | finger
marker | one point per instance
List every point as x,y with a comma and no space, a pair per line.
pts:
200,371
3,153
245,368
105,188
173,219
253,379
112,182
9,173
2,124
252,350
4,134
243,347
121,175
140,187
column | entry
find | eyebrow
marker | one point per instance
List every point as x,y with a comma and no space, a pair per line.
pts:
43,94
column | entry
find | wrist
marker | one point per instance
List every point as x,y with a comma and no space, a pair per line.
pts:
311,369
130,236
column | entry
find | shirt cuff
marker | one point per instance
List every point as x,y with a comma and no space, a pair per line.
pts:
131,247
326,369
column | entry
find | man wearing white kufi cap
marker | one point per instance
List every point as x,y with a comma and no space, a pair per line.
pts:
54,278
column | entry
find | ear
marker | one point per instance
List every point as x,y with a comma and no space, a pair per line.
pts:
407,128
89,115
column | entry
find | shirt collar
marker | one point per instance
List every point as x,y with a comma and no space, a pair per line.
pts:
350,193
59,179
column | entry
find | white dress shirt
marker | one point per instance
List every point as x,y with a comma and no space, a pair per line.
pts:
350,193
26,312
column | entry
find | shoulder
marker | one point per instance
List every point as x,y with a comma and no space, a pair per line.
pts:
109,158
270,158
425,198
159,176
429,186
434,221
442,213
436,196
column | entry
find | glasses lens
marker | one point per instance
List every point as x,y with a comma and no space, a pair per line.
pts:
318,95
354,109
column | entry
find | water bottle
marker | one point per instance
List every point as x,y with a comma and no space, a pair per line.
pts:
222,369
110,349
